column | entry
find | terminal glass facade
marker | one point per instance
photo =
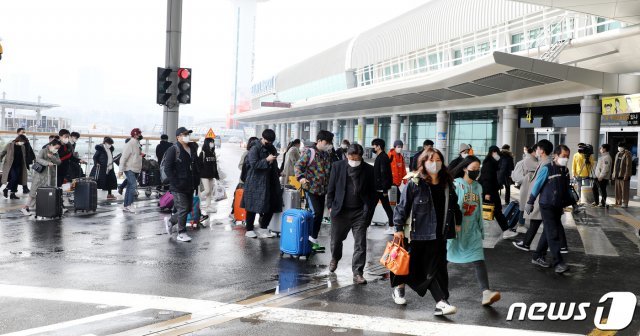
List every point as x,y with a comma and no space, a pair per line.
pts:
477,128
421,128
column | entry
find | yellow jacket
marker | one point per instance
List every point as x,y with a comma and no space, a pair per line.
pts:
578,166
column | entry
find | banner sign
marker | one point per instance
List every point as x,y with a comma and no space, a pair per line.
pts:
621,104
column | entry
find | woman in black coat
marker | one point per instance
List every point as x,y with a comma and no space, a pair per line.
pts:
490,186
102,170
208,162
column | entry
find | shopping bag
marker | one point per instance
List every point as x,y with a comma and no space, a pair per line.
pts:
219,194
395,257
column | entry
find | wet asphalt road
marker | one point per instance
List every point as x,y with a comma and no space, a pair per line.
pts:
114,252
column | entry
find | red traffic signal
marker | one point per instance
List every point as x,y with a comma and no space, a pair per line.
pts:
184,86
184,73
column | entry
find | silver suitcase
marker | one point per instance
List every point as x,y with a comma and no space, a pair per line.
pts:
290,200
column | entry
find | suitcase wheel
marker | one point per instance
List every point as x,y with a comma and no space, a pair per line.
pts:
281,254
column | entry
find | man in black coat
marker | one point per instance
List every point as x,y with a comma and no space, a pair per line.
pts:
350,199
383,180
162,147
463,152
426,145
504,172
262,191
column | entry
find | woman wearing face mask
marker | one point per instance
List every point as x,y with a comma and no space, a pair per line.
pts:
15,166
491,187
342,151
291,156
102,170
47,157
467,246
430,205
208,162
398,167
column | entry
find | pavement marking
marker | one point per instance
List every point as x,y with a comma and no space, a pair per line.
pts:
595,242
73,323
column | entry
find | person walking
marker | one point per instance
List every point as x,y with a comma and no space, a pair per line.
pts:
30,157
162,147
102,170
181,170
14,166
553,188
291,156
350,200
426,145
208,163
504,172
398,167
48,158
622,175
582,166
342,151
312,171
65,153
262,190
430,204
243,174
490,189
382,181
463,152
131,165
75,161
467,246
602,174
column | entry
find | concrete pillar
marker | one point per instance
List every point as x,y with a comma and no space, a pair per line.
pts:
349,131
335,127
405,135
442,133
314,127
509,127
590,120
287,132
395,128
362,130
2,118
295,131
499,129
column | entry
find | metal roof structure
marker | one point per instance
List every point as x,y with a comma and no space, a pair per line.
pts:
621,10
25,105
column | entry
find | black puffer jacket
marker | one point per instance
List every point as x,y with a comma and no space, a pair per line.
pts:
105,181
382,172
182,171
489,176
208,163
262,190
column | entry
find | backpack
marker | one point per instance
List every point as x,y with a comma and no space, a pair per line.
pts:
518,173
164,179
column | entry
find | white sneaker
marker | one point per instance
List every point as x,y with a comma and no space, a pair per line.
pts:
389,231
265,233
443,308
521,229
398,296
509,234
183,237
250,234
25,212
489,297
167,225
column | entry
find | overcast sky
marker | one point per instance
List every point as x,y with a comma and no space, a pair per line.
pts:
98,59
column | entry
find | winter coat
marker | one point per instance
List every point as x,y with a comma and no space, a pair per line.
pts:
506,167
338,189
161,148
8,156
316,171
48,176
526,187
489,176
262,190
31,156
382,172
131,159
455,162
467,246
580,167
208,163
528,167
604,166
181,169
398,168
291,157
105,180
625,166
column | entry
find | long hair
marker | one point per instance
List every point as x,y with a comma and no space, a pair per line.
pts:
458,171
206,145
443,174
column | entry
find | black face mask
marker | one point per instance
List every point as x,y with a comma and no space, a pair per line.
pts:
139,137
473,174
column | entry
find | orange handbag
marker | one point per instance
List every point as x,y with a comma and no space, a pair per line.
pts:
395,257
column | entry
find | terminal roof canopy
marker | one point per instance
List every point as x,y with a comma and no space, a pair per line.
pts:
25,105
620,10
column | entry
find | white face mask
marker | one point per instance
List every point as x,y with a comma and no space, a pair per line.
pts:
212,145
321,147
620,149
353,163
65,141
107,146
328,147
343,146
562,162
20,143
72,140
464,155
53,150
399,150
496,156
433,167
186,138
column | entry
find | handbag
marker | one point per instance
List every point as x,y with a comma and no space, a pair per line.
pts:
395,257
37,167
487,211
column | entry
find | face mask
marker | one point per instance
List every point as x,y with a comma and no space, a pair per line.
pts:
139,137
354,164
473,174
20,143
464,155
72,141
212,145
496,156
186,138
343,146
53,150
433,167
107,146
563,161
398,150
328,148
620,149
65,141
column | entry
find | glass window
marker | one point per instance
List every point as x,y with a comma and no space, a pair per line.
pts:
483,48
457,57
516,42
421,128
534,34
434,61
477,128
603,27
469,53
420,64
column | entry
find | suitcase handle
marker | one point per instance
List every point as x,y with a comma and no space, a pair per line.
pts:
49,175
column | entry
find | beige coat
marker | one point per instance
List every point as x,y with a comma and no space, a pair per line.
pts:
131,157
293,155
7,155
625,165
535,214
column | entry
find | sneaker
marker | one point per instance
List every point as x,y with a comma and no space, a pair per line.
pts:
250,234
389,231
509,234
490,297
561,268
564,250
521,246
398,295
167,225
359,280
128,209
444,308
540,262
111,197
25,211
203,218
13,196
317,247
521,229
265,233
25,190
333,265
120,190
183,237
594,204
624,206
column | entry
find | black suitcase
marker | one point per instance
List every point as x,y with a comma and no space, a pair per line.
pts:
512,214
49,202
85,196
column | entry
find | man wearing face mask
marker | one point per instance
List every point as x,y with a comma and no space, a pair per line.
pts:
552,186
426,145
131,165
342,151
350,199
383,178
65,153
398,167
463,151
312,171
621,174
75,170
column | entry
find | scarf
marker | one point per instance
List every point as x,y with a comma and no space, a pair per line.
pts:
109,159
356,177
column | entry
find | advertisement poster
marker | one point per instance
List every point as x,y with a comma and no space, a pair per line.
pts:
620,104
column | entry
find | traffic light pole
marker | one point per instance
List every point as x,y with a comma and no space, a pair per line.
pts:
172,61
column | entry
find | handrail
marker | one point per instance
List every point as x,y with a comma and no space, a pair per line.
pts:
86,135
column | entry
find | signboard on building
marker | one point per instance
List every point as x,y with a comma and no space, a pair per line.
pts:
621,104
626,119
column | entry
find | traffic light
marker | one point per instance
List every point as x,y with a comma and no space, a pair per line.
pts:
162,96
184,86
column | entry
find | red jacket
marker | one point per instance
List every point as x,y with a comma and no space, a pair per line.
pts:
398,168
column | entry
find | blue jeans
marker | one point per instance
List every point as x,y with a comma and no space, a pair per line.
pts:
132,184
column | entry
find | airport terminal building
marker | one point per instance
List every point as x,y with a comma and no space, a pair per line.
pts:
484,72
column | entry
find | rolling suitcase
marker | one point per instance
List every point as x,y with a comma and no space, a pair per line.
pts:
49,201
193,218
239,213
296,227
290,200
85,195
166,201
512,213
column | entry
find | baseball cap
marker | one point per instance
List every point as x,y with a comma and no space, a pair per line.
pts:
183,130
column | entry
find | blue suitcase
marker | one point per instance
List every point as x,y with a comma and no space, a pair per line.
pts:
296,227
512,214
